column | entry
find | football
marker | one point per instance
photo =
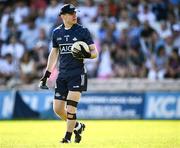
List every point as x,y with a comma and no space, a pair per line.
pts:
76,47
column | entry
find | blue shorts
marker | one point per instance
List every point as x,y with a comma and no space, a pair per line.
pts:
64,84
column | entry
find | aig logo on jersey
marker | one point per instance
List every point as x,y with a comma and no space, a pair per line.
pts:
65,48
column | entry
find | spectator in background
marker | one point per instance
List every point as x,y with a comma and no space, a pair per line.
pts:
40,55
8,68
105,64
173,67
113,8
146,15
112,31
173,7
160,9
12,30
123,20
134,30
168,43
87,12
146,45
4,25
159,63
52,11
108,31
161,59
42,22
123,38
30,34
40,52
164,29
117,9
134,9
102,31
120,62
15,48
42,38
21,11
102,12
105,11
38,5
136,62
28,71
176,35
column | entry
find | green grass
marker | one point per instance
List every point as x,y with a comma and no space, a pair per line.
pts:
98,134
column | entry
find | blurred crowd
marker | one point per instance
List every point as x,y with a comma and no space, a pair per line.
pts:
135,38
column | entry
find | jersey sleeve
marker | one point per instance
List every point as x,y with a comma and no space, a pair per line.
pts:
87,37
54,40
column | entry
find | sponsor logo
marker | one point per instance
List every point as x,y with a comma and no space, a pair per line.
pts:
67,37
163,107
74,39
57,94
65,48
71,6
76,86
59,39
82,79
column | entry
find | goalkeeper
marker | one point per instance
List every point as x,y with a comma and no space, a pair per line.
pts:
72,78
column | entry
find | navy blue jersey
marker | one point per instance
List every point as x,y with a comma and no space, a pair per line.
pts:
63,40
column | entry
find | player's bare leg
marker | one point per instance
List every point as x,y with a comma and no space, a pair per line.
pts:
60,109
72,101
74,125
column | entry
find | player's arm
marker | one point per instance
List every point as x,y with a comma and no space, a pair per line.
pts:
91,54
93,51
52,60
92,47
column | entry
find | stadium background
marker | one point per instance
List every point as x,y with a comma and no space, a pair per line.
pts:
139,57
137,74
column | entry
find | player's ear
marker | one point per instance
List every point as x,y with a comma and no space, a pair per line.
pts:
61,16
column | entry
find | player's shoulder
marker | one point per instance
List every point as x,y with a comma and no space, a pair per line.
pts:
81,27
58,28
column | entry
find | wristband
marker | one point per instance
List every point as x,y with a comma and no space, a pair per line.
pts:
47,74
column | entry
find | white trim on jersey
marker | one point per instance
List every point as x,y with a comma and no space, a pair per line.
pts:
65,52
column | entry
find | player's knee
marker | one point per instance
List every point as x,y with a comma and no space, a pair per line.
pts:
71,116
71,113
59,111
71,109
71,106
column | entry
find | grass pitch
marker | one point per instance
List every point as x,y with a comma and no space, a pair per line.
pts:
98,134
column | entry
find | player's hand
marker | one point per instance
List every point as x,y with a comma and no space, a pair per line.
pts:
80,54
43,80
43,84
84,52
